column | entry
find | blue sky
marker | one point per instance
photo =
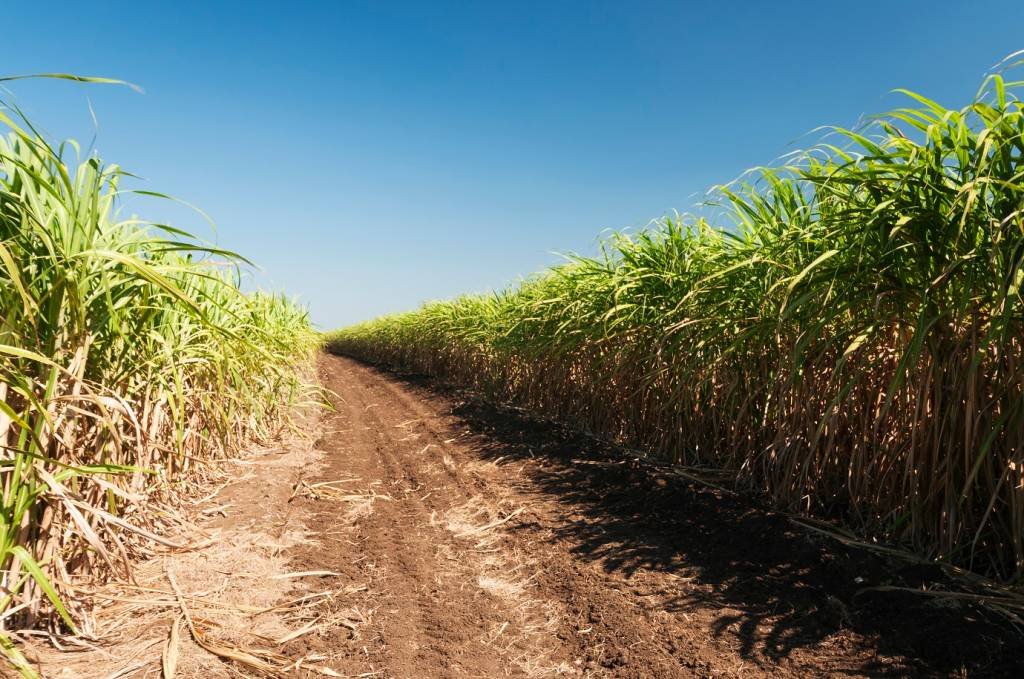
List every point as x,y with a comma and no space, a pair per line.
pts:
372,155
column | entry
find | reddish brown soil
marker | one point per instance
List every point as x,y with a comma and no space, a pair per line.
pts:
495,545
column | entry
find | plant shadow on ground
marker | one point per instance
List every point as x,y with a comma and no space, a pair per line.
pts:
778,587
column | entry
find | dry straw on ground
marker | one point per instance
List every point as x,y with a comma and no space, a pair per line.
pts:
225,608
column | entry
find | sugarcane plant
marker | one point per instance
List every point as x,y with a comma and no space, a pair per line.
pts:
128,356
840,332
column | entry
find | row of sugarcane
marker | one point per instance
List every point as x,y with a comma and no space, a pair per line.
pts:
840,332
130,359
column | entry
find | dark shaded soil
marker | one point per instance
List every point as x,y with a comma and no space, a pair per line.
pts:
630,570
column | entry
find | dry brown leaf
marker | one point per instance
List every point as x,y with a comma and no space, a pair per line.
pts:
171,649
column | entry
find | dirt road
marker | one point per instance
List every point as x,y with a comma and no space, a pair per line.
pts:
479,543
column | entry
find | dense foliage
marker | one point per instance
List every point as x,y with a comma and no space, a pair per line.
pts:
843,334
129,358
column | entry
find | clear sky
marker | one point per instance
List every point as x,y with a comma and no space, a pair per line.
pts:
371,155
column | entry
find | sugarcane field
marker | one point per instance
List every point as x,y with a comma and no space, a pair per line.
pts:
414,340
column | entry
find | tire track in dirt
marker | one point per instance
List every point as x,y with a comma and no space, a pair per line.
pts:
486,545
429,616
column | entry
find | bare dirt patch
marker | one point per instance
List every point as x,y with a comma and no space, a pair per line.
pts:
516,548
448,593
424,533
